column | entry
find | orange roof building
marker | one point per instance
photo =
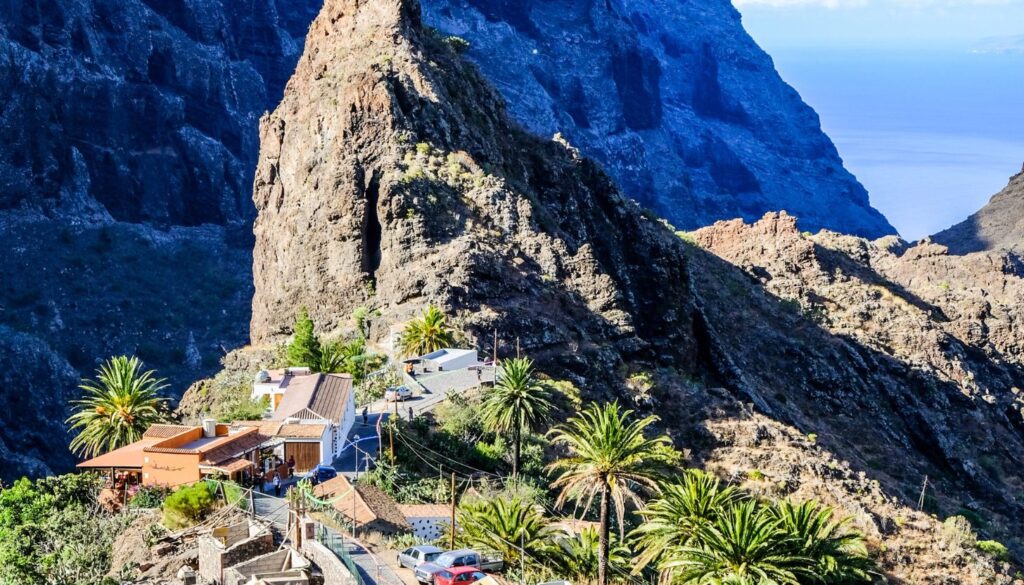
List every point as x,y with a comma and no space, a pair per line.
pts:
171,455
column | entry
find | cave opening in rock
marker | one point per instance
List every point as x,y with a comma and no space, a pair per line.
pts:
372,229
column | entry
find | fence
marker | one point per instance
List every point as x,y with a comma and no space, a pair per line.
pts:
336,544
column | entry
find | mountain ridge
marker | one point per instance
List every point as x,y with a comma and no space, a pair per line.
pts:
392,179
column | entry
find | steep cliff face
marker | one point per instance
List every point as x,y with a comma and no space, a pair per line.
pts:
143,111
674,99
390,176
128,138
999,225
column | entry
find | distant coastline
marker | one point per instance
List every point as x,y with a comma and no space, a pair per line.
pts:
931,133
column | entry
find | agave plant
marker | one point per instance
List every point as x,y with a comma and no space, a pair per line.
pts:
838,553
610,458
426,334
517,403
679,512
746,545
118,406
506,527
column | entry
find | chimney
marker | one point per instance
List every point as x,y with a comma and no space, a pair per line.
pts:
209,428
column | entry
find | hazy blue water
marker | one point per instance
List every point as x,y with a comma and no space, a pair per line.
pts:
932,134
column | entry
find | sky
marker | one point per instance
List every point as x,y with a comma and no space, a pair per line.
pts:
923,98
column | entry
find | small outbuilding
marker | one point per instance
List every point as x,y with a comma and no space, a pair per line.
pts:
449,359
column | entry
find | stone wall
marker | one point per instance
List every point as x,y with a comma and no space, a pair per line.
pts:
282,563
214,558
334,571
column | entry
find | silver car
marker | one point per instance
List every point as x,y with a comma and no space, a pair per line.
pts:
397,394
410,558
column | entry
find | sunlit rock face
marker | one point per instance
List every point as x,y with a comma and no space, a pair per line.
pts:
674,98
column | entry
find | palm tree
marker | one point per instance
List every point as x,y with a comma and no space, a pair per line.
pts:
577,555
517,403
426,334
840,554
118,406
679,512
505,527
609,457
744,546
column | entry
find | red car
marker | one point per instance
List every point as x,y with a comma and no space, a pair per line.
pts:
458,576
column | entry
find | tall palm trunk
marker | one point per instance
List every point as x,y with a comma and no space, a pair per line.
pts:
602,540
516,438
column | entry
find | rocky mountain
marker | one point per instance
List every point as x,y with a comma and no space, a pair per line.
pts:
999,225
675,100
128,139
391,177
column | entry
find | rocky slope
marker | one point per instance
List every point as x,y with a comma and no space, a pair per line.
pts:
676,101
128,138
919,348
999,225
391,177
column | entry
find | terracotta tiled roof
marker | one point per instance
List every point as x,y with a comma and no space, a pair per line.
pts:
266,427
325,395
127,457
241,445
302,431
230,466
340,486
161,431
424,510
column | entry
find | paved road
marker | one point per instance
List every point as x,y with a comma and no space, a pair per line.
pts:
271,509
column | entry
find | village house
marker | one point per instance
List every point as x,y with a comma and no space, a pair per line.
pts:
326,401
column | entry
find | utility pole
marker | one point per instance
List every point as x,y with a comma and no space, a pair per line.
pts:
494,348
391,439
522,557
517,348
453,512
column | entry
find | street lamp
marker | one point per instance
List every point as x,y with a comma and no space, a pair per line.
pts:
355,452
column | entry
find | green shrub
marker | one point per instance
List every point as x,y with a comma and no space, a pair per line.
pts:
244,409
188,505
457,44
755,475
994,549
148,497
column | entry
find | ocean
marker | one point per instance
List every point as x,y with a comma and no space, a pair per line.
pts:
932,134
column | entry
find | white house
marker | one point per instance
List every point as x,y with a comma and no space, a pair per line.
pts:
272,384
448,359
325,400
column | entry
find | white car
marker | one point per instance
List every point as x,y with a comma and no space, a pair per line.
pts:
398,394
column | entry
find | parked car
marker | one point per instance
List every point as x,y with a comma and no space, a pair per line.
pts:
397,394
456,558
417,555
458,576
320,474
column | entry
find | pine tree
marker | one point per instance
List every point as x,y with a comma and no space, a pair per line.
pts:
304,350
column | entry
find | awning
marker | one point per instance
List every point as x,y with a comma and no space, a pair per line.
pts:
228,467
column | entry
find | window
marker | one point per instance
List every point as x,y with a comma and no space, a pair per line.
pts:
444,574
